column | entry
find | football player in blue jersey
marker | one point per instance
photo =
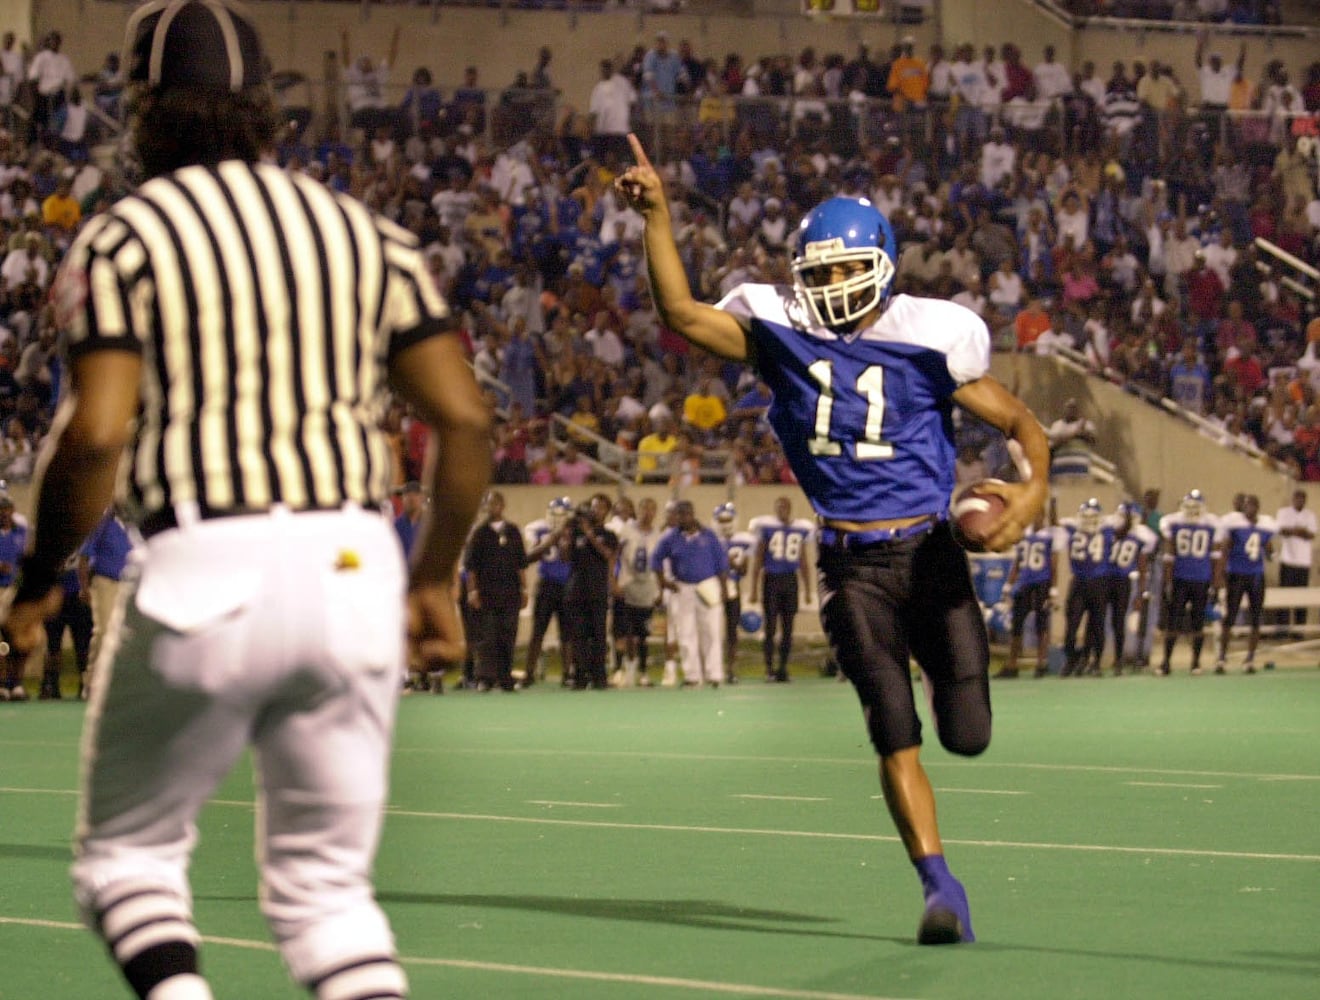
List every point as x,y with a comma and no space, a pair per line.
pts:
1088,544
1031,582
738,546
1131,544
1190,554
1247,539
547,545
864,389
781,550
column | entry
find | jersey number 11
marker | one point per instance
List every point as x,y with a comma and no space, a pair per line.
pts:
871,384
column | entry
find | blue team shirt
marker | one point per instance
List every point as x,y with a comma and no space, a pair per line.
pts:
107,548
1087,551
1035,558
553,566
1126,550
1192,544
12,544
865,421
781,544
1247,545
692,558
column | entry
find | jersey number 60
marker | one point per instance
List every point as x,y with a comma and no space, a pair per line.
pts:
871,384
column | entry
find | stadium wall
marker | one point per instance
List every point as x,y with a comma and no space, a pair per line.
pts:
502,43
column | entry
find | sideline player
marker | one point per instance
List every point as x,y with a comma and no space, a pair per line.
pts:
1031,582
864,388
1247,540
636,592
545,546
738,546
1088,545
269,611
1131,544
1190,554
780,560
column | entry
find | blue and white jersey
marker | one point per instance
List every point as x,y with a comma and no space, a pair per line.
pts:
866,420
553,566
1034,555
739,550
1192,543
1087,550
781,544
637,581
1126,550
1247,544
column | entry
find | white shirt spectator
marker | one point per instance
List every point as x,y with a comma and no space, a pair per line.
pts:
611,103
1077,223
1220,259
52,71
606,346
75,123
364,89
1052,80
970,81
997,159
1295,550
11,71
1216,84
17,263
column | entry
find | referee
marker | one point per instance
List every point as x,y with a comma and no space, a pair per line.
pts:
236,329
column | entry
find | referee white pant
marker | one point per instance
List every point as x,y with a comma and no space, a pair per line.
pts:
282,632
700,635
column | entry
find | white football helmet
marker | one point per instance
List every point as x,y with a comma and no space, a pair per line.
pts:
1193,505
558,510
1089,515
726,520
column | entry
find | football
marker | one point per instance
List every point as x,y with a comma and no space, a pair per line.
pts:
973,514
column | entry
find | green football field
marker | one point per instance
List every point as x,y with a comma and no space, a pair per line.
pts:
1133,838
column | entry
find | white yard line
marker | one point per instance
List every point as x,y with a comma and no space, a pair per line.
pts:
796,834
579,805
1167,784
545,972
779,798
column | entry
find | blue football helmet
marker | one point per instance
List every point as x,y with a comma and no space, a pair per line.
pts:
1089,515
1193,505
842,231
750,621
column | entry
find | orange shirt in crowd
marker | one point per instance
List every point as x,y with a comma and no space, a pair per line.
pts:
1030,323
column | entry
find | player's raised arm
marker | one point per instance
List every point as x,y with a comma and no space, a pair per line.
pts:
988,399
704,325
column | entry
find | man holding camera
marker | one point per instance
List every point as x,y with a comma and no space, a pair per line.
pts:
592,549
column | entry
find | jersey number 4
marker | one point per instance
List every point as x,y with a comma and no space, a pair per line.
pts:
871,384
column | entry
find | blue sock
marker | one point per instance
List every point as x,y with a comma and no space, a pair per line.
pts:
934,872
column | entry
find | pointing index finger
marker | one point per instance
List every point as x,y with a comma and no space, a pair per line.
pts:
639,154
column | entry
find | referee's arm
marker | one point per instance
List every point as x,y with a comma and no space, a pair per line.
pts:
75,480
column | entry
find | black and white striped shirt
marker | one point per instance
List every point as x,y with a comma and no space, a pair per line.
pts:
266,309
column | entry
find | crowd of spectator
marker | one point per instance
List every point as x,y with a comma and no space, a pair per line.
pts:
1113,217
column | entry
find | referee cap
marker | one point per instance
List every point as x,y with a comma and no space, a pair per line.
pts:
209,44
